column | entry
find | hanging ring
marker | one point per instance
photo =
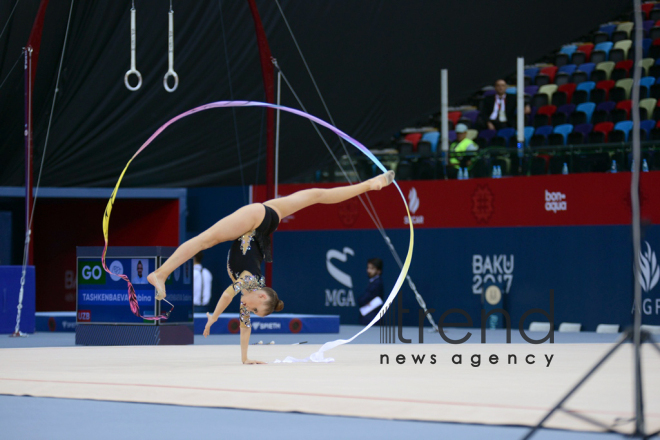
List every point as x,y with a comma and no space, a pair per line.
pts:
139,77
133,70
170,56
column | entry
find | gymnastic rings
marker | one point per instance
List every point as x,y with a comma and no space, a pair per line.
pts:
133,70
170,55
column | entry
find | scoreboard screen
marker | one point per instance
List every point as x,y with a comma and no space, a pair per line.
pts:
102,298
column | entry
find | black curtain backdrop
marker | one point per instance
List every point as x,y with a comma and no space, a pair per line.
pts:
377,64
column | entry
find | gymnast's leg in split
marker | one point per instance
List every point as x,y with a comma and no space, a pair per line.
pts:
249,217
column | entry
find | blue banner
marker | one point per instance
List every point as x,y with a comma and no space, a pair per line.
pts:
589,268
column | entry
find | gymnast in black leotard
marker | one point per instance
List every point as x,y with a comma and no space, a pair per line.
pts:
250,249
246,255
250,229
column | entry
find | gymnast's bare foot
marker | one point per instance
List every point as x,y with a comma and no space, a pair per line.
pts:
158,284
380,182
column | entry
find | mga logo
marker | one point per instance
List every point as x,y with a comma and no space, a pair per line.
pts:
339,297
90,272
555,201
649,272
413,205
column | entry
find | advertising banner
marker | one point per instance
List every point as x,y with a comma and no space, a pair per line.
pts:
102,298
569,233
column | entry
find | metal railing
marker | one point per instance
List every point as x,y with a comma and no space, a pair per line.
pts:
550,159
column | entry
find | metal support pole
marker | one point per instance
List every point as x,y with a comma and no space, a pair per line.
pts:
520,95
277,133
444,119
27,133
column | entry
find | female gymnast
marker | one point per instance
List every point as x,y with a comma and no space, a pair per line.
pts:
250,228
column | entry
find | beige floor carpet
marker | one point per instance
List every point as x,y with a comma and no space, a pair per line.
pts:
357,384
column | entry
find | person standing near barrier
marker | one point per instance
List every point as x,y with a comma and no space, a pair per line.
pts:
202,281
372,299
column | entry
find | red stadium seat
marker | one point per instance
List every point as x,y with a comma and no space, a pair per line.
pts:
621,70
625,64
454,117
568,89
586,48
605,128
547,110
551,71
626,106
646,8
414,139
606,85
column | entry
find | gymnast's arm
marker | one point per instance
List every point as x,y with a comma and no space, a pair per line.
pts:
245,342
223,302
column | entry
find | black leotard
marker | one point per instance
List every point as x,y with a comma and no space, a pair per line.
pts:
252,248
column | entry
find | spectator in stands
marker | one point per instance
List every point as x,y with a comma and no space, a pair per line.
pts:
202,280
499,110
372,299
458,148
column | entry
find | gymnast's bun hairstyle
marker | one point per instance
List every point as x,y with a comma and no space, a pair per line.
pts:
275,304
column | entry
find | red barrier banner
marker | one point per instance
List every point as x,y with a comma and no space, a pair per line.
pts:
553,200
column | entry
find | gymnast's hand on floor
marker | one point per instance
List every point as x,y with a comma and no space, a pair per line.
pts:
211,320
250,361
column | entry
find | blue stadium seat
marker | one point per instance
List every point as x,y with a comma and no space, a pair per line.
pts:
531,90
624,126
544,130
506,133
608,29
511,90
587,86
588,109
529,132
532,72
540,137
647,82
432,137
568,68
564,130
646,45
605,47
647,126
587,68
568,50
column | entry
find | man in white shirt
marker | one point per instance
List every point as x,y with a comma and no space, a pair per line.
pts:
499,110
140,275
202,280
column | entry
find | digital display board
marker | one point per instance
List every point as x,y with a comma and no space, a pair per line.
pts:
102,298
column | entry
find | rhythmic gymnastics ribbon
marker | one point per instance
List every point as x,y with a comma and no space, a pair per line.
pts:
317,356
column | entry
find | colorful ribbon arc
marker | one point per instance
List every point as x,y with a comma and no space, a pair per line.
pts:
319,355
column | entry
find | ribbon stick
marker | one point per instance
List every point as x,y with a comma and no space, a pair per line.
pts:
319,355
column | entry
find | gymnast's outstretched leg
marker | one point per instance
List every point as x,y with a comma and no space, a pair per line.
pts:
285,206
250,217
229,228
